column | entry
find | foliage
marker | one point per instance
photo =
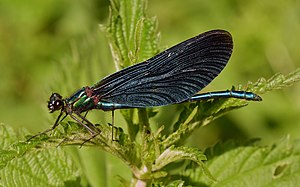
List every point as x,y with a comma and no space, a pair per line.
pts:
153,158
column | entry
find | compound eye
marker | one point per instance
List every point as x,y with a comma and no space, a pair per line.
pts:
55,102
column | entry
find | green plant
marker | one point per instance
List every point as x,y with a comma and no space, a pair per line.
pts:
152,157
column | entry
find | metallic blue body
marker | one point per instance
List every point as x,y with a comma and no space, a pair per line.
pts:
81,102
226,94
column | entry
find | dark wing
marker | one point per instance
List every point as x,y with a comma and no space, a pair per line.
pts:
172,76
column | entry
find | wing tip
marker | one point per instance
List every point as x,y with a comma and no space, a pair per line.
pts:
217,31
220,35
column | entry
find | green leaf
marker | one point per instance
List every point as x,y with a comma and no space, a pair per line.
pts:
8,136
51,167
173,154
132,35
174,183
23,166
252,165
276,82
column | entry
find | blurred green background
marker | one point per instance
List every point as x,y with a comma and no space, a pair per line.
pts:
41,40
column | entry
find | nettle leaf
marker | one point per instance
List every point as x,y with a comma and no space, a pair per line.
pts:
276,82
175,183
132,35
252,165
49,167
8,136
173,154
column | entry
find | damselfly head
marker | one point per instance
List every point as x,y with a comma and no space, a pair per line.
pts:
55,102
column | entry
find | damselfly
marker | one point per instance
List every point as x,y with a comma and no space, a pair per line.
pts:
173,76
